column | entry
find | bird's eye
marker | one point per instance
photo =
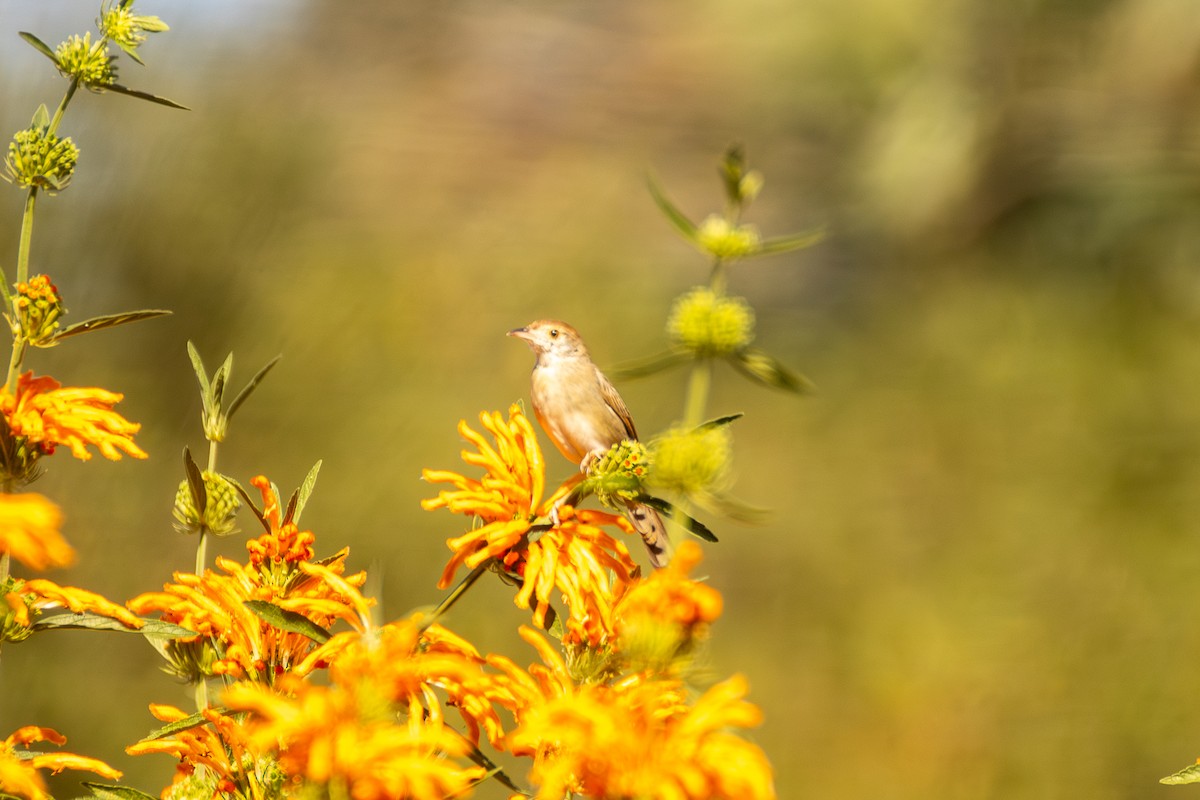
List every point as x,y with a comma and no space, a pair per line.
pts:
554,333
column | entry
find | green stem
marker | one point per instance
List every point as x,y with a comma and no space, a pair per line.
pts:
14,363
26,239
697,392
458,591
202,542
62,106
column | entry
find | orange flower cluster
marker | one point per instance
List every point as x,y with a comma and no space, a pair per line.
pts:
217,746
214,604
572,553
20,773
46,414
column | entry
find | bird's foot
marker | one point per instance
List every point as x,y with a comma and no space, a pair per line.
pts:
590,458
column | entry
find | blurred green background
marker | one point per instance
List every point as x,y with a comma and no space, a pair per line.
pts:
979,579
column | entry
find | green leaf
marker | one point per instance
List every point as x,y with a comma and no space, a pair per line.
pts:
195,481
676,217
1189,774
251,386
758,366
107,321
288,621
250,504
219,379
305,491
689,523
720,422
106,791
85,621
785,244
733,167
40,46
650,365
187,723
201,373
41,118
153,98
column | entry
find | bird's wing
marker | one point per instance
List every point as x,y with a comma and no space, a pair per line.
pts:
614,401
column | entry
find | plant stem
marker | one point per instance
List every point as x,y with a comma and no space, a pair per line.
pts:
62,106
696,399
14,363
23,244
461,589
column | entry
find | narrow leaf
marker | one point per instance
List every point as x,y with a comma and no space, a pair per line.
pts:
201,372
106,791
676,217
758,366
250,504
187,723
220,378
305,491
719,422
153,98
1189,774
40,46
84,621
649,365
41,118
195,481
686,521
130,50
784,244
288,621
251,386
107,321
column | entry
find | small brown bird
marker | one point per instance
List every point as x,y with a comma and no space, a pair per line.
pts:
582,413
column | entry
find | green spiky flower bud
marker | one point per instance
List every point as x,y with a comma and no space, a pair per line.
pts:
87,61
617,475
723,239
124,28
692,461
708,323
220,509
12,629
37,158
38,306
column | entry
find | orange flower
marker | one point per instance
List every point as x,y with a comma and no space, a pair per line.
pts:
214,604
37,595
47,414
19,774
571,553
347,734
29,531
219,746
638,737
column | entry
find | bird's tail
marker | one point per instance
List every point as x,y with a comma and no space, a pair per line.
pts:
649,525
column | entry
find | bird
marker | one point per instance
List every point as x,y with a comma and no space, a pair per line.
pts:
583,414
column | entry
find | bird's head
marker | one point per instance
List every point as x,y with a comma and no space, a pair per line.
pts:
551,337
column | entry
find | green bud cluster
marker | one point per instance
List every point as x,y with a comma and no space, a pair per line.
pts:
37,158
692,461
38,307
126,29
87,61
10,629
708,323
726,240
220,508
617,475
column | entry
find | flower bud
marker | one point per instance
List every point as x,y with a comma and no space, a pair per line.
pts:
89,63
126,29
691,462
723,239
220,510
617,475
710,324
37,158
38,306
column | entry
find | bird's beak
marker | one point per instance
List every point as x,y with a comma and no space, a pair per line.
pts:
521,333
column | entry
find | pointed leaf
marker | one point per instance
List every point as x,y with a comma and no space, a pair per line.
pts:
733,167
251,386
784,244
108,321
195,480
686,521
187,723
649,365
129,50
288,621
41,118
729,506
201,372
1189,774
758,366
153,98
719,422
40,46
219,379
84,621
676,217
305,491
105,791
250,504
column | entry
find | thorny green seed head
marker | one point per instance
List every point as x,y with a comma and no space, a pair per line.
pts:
692,461
38,158
126,29
708,323
78,57
220,511
723,239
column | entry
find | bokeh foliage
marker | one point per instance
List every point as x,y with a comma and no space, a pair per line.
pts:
979,575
